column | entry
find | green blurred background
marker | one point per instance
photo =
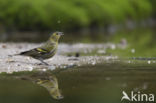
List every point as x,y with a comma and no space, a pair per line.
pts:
89,21
71,14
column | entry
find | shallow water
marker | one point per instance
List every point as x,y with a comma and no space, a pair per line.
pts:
103,83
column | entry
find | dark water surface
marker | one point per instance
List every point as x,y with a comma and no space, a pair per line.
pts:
102,83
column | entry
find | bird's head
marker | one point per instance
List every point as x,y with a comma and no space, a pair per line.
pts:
55,36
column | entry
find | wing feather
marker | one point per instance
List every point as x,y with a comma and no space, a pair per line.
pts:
35,51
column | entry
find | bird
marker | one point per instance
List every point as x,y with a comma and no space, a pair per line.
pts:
45,51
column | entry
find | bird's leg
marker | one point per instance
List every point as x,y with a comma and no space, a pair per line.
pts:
43,62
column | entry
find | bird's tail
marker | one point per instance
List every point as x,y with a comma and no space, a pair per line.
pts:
22,53
13,55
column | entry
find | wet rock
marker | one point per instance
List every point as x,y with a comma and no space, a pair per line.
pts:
51,67
4,46
10,60
113,46
101,51
30,68
77,54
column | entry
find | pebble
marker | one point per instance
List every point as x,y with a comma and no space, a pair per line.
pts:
113,46
44,70
101,51
51,67
149,62
4,46
129,61
30,68
93,62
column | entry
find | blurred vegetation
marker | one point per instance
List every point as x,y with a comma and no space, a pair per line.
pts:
71,14
142,41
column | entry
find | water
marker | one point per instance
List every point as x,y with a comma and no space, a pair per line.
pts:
101,83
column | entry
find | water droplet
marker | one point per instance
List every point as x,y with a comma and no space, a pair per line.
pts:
132,50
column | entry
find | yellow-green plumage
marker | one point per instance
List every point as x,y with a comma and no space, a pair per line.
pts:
47,50
51,84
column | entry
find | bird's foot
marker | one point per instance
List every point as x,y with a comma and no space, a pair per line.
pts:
43,63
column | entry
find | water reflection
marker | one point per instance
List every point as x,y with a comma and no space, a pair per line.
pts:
103,83
44,79
51,84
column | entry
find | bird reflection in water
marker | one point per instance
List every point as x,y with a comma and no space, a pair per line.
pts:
47,81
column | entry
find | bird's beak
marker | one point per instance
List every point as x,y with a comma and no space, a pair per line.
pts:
61,33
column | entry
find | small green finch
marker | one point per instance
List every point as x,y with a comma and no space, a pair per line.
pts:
46,51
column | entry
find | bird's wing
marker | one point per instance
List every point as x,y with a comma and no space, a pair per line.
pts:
42,51
36,51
